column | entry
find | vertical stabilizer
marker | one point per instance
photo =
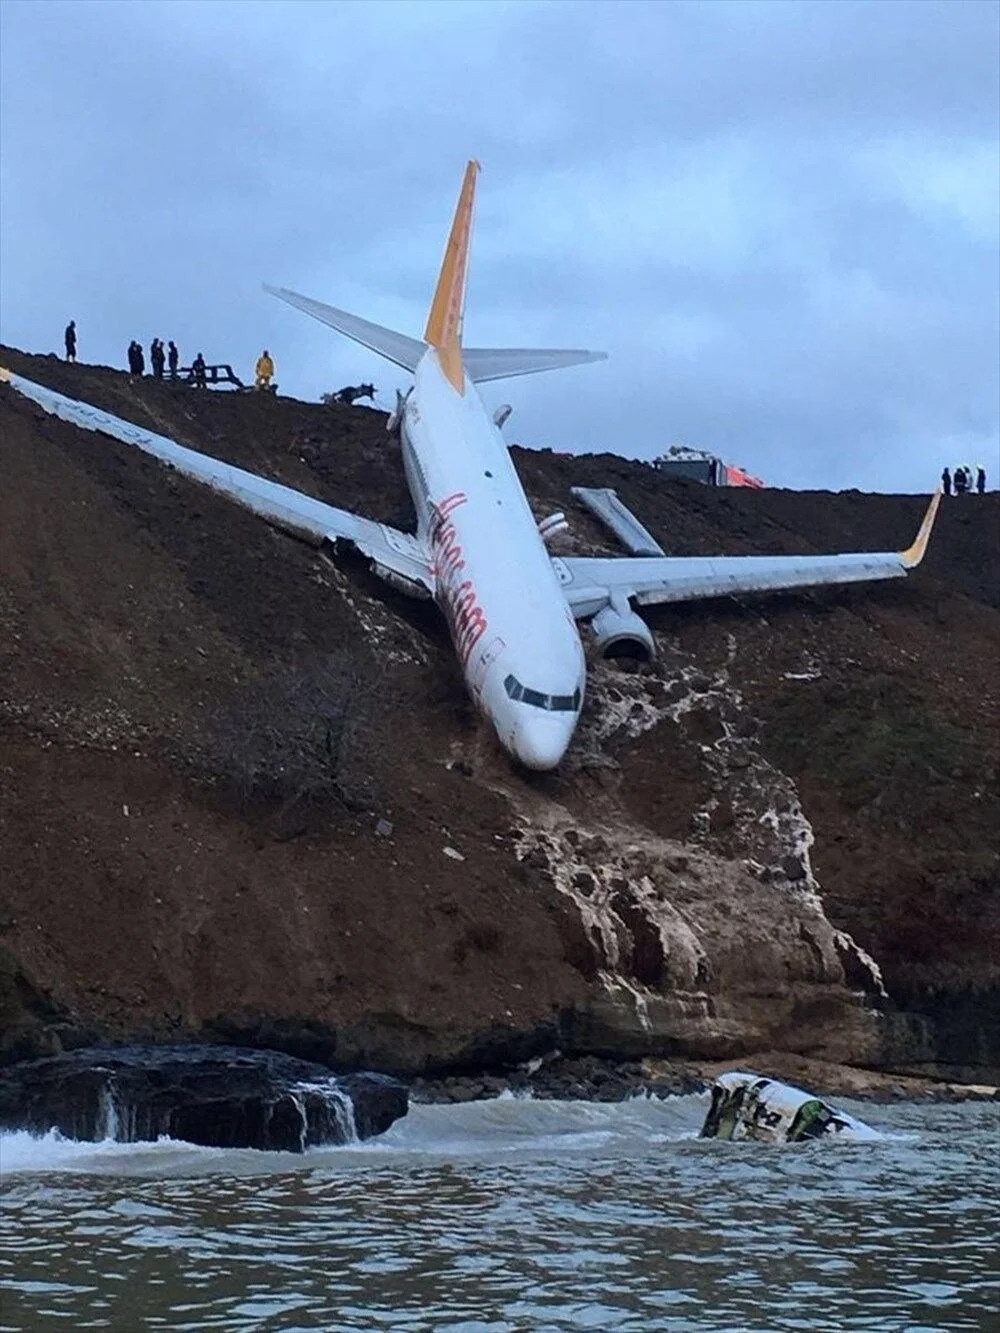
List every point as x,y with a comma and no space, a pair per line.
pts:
444,323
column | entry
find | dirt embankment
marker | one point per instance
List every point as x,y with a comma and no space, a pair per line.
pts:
782,837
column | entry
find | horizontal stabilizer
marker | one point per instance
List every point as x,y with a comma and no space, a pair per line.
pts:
503,363
395,347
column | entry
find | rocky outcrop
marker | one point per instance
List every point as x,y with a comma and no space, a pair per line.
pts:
246,799
219,1097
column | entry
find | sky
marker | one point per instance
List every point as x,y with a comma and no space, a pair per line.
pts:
778,217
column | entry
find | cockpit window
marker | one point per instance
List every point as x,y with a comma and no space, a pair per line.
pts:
565,703
554,703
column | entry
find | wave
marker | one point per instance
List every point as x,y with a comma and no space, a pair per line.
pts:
502,1127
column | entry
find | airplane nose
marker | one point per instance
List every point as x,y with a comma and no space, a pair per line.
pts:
541,742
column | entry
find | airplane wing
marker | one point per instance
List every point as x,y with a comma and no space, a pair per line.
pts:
501,363
395,556
591,582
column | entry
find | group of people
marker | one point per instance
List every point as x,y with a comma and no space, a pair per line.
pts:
962,481
159,360
166,359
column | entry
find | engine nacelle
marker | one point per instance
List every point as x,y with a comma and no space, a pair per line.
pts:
619,632
550,526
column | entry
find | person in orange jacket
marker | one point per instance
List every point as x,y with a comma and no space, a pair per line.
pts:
263,370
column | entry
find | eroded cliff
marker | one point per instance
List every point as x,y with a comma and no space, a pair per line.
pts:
246,797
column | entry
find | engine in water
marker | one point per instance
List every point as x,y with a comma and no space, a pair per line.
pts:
747,1106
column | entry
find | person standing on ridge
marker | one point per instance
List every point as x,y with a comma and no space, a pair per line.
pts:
70,337
263,370
981,480
946,481
172,358
198,371
156,357
961,481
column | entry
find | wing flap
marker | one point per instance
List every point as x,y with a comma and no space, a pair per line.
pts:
501,363
299,514
395,347
608,508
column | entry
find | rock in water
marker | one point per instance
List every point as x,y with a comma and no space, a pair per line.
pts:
746,1106
217,1096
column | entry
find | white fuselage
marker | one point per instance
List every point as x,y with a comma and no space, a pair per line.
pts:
514,634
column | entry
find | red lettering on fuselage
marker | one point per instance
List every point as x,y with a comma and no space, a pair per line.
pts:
458,596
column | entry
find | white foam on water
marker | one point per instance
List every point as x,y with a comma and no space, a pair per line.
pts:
498,1128
525,1127
504,1128
23,1152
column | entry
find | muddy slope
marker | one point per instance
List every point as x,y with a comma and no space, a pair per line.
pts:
782,837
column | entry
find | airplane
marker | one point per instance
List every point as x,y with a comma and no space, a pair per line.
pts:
512,608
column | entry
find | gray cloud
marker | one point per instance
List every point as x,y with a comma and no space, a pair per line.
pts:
779,218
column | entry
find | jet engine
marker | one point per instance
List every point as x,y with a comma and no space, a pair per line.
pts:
619,632
554,523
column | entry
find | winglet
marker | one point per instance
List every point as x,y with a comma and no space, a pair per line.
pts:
444,323
913,555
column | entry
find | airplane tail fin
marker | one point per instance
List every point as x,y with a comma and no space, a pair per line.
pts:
395,347
444,323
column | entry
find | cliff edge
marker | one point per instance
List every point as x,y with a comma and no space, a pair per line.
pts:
245,797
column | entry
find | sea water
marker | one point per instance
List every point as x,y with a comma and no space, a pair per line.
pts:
514,1215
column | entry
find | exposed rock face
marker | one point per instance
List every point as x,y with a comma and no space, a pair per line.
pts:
219,1097
684,938
232,766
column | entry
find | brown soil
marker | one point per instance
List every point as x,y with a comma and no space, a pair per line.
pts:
172,867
